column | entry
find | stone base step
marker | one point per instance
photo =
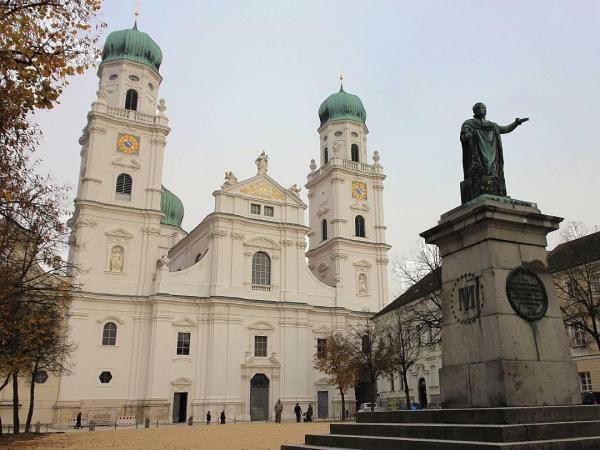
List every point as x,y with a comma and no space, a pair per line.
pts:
520,415
468,432
347,442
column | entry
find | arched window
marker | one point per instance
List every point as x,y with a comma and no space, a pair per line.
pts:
131,100
354,152
123,188
109,334
325,156
324,230
359,226
261,269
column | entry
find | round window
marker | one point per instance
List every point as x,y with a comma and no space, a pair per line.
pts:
134,78
338,133
150,86
114,76
354,134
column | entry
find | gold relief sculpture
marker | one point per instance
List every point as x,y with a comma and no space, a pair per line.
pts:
262,189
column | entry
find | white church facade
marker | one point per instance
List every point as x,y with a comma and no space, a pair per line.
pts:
229,316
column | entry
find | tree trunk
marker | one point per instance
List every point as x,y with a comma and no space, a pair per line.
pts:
373,395
343,405
31,399
5,381
406,392
15,386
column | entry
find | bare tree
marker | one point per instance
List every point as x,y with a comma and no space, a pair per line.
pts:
370,353
336,361
579,291
425,267
404,345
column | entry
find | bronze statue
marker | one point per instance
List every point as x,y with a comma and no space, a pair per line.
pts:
483,161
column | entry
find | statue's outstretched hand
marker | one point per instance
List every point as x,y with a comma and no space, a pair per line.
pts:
520,121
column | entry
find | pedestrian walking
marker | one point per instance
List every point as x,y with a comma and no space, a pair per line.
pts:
309,413
298,412
278,410
223,417
208,418
78,420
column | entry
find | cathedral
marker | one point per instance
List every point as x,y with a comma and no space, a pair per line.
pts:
228,316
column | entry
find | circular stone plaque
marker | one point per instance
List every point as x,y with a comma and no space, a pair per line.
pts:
526,294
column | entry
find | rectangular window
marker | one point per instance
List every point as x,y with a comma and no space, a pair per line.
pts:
183,343
269,211
260,346
596,285
321,348
254,208
579,337
585,380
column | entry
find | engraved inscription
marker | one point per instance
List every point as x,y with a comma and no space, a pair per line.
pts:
526,294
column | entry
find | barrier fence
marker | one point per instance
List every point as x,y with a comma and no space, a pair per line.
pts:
131,421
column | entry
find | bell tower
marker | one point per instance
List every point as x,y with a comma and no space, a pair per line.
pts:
116,227
347,246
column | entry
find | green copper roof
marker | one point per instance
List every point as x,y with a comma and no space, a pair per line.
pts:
172,207
132,45
342,106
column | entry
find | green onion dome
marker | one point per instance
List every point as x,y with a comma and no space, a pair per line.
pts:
132,45
342,106
172,207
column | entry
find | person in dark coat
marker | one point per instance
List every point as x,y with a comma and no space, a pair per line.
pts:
78,420
309,413
223,417
208,418
298,412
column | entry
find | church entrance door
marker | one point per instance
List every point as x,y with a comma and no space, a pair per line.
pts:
259,397
179,407
322,404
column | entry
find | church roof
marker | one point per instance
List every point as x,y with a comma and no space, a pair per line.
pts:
172,207
425,286
342,106
132,45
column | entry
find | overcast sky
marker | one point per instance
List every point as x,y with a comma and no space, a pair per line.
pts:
240,77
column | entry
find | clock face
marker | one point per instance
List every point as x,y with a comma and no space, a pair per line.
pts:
128,144
359,190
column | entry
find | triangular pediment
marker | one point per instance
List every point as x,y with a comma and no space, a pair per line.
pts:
262,242
119,233
360,206
126,162
362,264
263,187
323,209
261,326
322,329
184,322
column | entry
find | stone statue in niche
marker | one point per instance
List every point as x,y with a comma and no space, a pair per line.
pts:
362,284
116,259
262,162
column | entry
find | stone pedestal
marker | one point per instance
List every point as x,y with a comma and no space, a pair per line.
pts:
497,351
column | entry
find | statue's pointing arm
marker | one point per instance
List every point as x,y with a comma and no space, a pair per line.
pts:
512,126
